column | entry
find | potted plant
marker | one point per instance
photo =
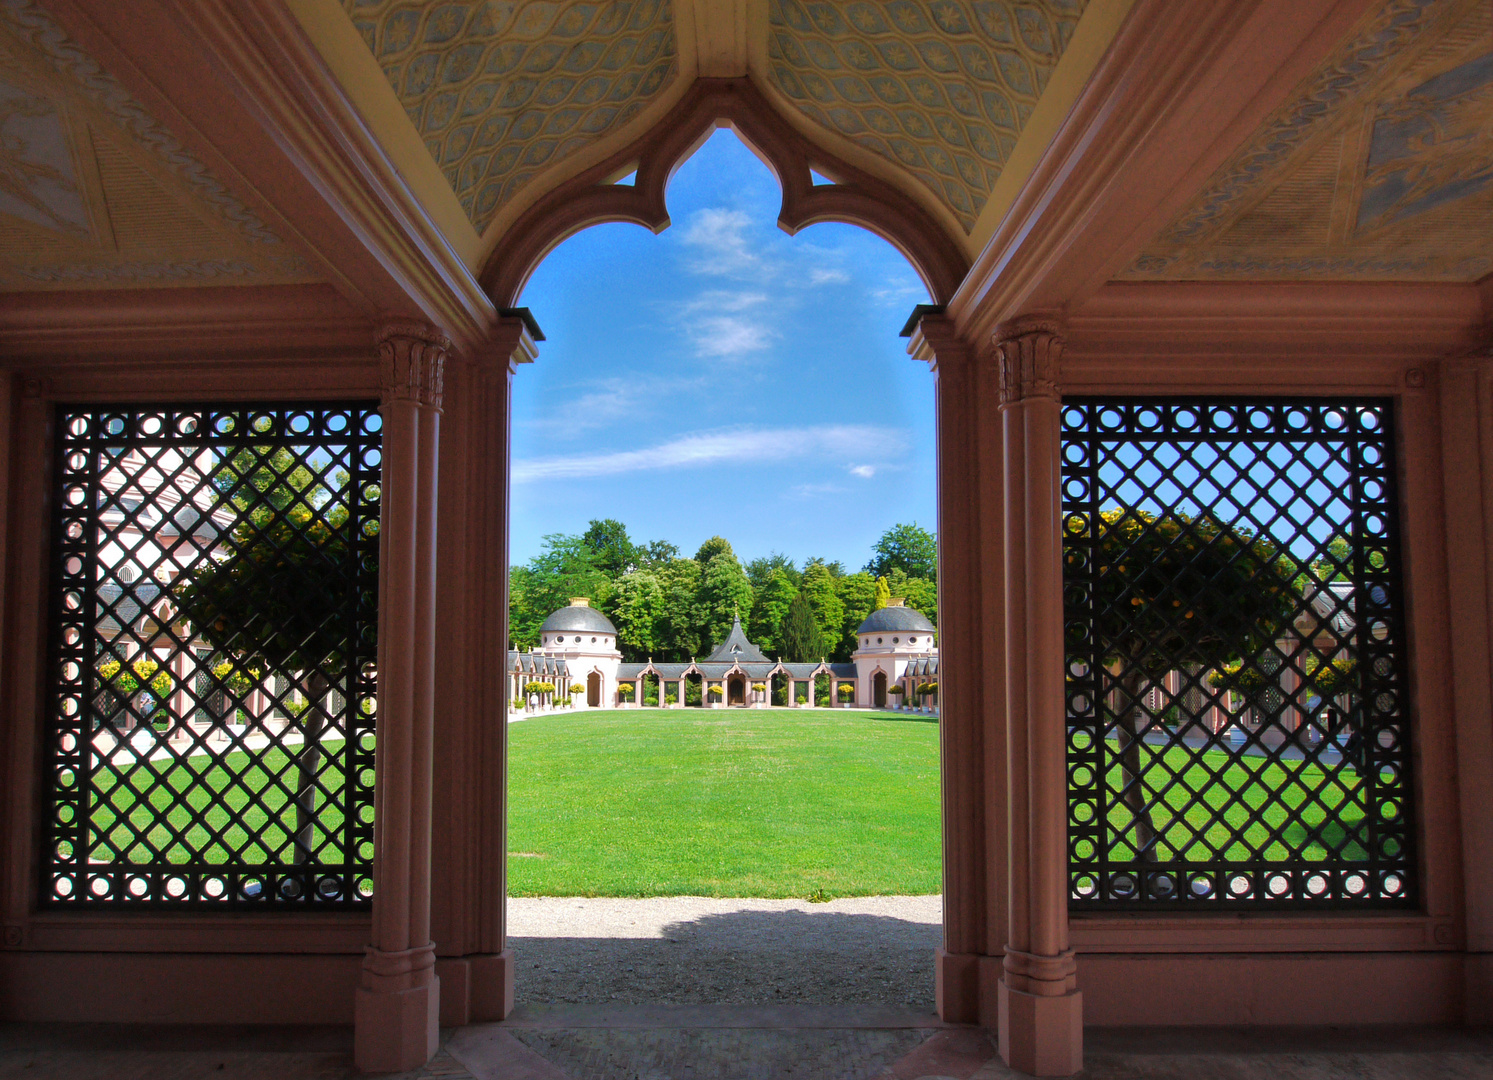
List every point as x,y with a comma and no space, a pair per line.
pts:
926,691
895,692
847,693
759,690
625,691
715,693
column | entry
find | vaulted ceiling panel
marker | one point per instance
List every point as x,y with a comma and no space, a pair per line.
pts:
500,90
942,88
1378,167
96,193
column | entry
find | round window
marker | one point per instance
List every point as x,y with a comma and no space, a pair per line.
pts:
878,641
578,639
912,641
593,641
895,640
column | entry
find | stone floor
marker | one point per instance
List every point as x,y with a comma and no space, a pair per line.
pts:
704,1042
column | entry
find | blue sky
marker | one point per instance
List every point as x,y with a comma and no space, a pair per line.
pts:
724,378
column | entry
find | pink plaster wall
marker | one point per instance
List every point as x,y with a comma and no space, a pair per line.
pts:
1230,988
199,988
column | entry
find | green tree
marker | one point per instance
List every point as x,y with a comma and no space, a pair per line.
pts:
565,567
612,551
273,598
829,612
656,553
677,632
724,595
800,634
883,592
920,594
636,606
857,595
761,569
1171,591
716,545
769,609
909,548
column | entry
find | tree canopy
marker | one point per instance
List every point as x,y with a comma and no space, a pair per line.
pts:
672,608
909,548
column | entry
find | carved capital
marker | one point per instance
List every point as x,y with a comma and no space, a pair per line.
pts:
413,356
1027,351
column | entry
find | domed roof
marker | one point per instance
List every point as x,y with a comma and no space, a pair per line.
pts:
895,617
580,615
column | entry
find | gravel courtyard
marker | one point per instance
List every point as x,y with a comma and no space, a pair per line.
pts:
690,950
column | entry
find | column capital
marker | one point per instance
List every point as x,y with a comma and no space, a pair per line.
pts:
413,355
1027,351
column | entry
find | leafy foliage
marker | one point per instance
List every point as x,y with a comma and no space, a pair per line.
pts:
909,548
673,609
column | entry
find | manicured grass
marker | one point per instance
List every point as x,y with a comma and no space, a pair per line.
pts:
1244,807
206,807
674,802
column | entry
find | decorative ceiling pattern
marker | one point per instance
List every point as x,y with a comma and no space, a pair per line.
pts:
500,89
943,88
95,192
1380,166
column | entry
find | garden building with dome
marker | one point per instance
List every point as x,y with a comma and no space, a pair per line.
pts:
578,646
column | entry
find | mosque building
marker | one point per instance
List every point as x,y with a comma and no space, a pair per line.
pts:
578,646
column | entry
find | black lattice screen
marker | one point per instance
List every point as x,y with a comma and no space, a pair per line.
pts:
1238,721
210,720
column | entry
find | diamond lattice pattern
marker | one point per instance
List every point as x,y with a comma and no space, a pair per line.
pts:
213,641
1237,710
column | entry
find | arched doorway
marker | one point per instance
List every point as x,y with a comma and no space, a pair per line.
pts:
593,689
736,690
878,690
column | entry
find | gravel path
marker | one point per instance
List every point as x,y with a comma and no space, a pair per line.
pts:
692,950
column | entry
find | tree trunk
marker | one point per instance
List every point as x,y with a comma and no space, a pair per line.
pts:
1132,758
313,722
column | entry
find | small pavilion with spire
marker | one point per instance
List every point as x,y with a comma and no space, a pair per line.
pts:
736,665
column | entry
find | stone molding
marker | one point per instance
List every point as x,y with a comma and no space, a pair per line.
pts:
413,358
1027,351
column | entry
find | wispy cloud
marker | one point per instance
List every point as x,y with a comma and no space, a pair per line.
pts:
865,472
808,491
719,240
601,402
824,275
719,328
740,446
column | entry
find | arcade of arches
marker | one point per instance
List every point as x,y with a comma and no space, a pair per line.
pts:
297,201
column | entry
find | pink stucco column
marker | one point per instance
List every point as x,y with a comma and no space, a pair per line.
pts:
398,1002
1040,1008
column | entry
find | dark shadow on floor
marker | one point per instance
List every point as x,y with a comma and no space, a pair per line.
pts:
739,958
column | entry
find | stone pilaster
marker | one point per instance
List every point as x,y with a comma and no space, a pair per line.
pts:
1040,1021
398,1001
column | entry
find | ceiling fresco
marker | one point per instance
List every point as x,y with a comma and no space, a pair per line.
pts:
943,88
94,192
500,90
1380,166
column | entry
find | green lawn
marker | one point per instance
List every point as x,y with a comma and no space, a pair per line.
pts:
212,806
655,802
1238,805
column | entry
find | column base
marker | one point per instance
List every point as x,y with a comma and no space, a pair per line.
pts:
396,1030
956,986
475,989
1041,1036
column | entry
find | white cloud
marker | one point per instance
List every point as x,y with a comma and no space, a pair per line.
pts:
823,275
603,401
719,329
741,446
865,472
719,239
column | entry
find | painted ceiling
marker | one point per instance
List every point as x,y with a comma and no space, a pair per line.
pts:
1379,166
500,89
942,88
96,193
